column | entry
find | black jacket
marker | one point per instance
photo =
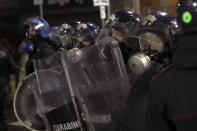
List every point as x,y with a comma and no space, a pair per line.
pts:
7,65
137,101
172,98
43,48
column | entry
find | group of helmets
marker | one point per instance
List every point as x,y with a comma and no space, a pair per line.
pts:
127,23
153,34
130,25
67,35
78,34
163,24
150,37
121,24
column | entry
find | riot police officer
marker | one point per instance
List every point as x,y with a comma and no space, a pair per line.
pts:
7,66
122,25
155,54
65,34
38,44
172,98
158,31
85,34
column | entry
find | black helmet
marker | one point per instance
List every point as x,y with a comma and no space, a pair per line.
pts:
187,15
74,23
87,31
124,22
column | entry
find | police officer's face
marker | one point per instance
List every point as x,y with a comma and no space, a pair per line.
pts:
84,42
31,31
117,35
66,40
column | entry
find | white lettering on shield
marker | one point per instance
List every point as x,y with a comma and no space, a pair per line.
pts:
66,126
106,119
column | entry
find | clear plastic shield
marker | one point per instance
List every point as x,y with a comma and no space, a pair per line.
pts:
147,40
99,81
26,108
54,95
151,40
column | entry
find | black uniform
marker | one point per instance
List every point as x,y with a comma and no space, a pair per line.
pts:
172,99
7,66
43,48
135,117
126,52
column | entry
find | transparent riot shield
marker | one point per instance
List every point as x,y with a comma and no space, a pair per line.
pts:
26,108
99,81
53,94
144,65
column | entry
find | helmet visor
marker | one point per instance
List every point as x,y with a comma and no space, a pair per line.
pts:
152,41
